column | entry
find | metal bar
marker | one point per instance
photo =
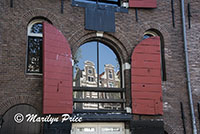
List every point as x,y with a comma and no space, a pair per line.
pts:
183,117
187,68
189,16
62,6
198,108
99,111
136,14
172,7
97,63
11,3
96,89
99,100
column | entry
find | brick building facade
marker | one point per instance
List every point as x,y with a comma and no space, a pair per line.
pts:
18,87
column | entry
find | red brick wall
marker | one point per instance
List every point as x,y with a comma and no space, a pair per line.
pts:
13,44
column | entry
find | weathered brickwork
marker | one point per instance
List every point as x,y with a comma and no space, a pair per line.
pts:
18,87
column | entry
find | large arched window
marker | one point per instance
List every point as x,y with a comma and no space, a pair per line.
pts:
152,33
97,78
34,50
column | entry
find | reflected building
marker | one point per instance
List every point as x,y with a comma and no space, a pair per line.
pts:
88,77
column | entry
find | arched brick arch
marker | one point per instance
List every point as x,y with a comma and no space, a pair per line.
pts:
168,129
142,28
22,99
24,20
39,12
107,38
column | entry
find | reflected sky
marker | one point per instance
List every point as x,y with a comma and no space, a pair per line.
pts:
88,51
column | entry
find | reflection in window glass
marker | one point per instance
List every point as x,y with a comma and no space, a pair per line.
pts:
36,28
34,62
107,2
86,129
86,69
96,65
98,106
110,129
147,36
34,54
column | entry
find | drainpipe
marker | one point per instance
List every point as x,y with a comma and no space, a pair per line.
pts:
188,69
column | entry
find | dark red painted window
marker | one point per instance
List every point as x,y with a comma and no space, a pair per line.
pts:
146,78
57,72
143,3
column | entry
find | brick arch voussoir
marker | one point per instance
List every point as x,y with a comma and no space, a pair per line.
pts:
12,101
140,29
29,15
39,12
79,37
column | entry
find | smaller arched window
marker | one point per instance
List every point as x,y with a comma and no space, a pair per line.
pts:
152,33
34,50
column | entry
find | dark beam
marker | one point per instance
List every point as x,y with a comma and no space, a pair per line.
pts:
95,89
136,14
99,111
183,118
99,100
62,6
189,16
11,3
173,18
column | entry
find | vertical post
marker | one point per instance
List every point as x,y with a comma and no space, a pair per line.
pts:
97,63
136,14
183,117
98,68
172,7
11,3
188,68
62,6
189,16
198,108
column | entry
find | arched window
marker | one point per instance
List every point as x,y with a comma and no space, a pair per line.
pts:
34,50
97,78
152,33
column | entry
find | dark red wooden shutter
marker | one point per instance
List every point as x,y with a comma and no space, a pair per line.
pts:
143,3
57,72
146,78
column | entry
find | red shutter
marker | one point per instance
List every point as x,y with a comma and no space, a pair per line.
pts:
143,3
57,72
146,78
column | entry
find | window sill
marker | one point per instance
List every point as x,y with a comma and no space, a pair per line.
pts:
34,74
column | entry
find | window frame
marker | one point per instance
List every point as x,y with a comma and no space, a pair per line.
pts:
38,35
99,89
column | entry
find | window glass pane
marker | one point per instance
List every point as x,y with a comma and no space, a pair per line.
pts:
98,106
110,129
34,64
36,28
96,95
102,2
85,74
86,129
109,67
